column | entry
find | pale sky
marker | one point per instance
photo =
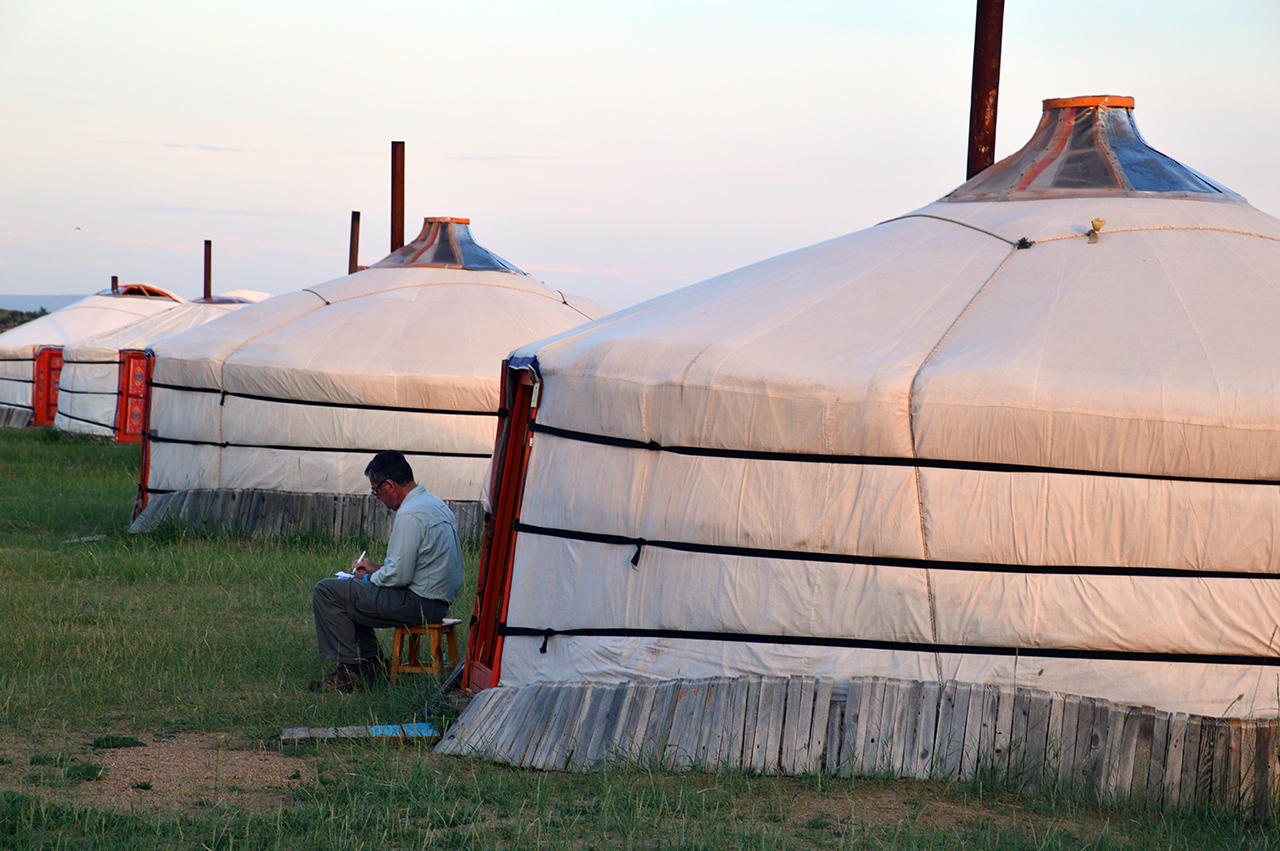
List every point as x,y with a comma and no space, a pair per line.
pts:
616,150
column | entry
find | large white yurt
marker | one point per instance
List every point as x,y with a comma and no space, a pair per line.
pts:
1027,435
103,384
294,395
29,380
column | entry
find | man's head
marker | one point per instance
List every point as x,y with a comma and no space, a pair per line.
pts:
390,478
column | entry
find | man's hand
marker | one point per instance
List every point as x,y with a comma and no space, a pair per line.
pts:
362,567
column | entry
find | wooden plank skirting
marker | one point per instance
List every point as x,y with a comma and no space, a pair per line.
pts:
277,513
14,417
1026,739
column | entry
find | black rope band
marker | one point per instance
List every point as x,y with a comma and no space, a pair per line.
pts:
317,404
872,460
887,561
913,647
155,438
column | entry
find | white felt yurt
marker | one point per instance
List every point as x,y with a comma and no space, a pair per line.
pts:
29,381
102,389
1027,435
294,395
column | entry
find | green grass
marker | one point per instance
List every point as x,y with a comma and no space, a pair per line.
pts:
108,639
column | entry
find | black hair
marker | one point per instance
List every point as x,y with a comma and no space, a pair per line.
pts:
390,465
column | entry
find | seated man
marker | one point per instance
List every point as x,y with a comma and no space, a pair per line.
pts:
415,585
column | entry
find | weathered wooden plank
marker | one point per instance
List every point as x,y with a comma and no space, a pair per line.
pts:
1155,766
1018,739
627,703
655,739
1128,753
819,731
481,740
772,752
1039,715
882,755
601,727
835,745
1004,730
751,722
797,724
946,717
1172,781
682,742
854,697
1066,753
906,696
536,721
1226,769
561,711
764,720
868,746
974,730
735,722
1246,755
712,735
571,736
1264,776
927,731
515,739
1140,761
451,741
503,727
631,735
1194,781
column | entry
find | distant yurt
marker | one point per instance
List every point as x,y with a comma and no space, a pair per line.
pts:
1026,437
265,419
31,354
102,388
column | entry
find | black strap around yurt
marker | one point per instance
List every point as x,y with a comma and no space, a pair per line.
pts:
347,406
156,438
885,561
874,644
872,460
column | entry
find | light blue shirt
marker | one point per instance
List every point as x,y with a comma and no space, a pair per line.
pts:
423,553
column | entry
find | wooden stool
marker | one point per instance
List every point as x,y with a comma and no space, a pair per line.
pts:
437,664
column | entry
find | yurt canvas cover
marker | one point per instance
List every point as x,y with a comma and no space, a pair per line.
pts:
95,314
92,385
295,394
1026,435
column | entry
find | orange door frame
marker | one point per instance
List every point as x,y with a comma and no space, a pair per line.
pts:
511,459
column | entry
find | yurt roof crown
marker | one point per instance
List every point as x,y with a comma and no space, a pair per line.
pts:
446,243
1088,147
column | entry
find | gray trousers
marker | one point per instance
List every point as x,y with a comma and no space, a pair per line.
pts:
348,610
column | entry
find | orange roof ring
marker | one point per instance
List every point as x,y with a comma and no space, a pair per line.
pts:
1116,101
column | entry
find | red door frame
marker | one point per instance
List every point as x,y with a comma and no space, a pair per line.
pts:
510,462
44,392
132,396
144,472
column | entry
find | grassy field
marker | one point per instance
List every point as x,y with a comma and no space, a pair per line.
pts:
111,637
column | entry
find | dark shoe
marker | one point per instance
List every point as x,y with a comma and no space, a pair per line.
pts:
373,670
346,679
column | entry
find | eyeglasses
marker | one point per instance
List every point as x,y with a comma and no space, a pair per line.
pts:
374,491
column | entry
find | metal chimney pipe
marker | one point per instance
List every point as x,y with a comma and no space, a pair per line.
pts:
352,265
208,269
115,285
397,195
986,85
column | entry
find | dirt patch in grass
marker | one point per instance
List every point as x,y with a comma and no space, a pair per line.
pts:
186,773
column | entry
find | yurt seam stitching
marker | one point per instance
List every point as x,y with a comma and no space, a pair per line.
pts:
893,561
875,644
